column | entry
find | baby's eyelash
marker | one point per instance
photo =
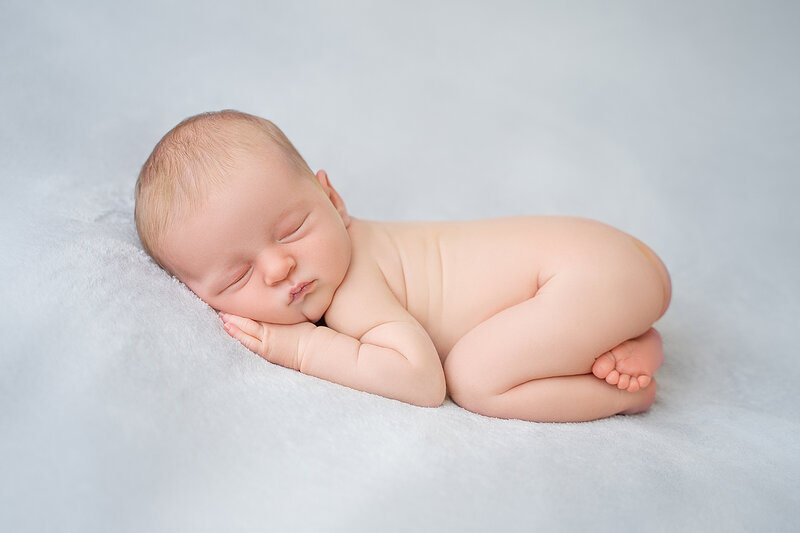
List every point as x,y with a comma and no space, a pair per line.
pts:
240,278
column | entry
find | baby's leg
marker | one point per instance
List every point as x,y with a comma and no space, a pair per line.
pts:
501,367
570,399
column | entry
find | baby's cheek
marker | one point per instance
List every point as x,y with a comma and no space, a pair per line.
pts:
227,305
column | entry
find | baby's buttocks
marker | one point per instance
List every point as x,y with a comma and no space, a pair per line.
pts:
607,261
662,270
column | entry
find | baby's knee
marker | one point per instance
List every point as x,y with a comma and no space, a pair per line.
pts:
468,386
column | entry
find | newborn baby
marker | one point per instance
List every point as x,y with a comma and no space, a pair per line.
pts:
538,318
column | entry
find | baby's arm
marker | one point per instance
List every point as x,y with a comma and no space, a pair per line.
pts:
373,345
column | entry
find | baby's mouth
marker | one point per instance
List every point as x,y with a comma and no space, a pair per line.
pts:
299,290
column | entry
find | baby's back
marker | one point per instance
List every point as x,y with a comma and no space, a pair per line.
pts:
451,276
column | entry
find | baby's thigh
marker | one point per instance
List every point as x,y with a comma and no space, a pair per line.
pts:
601,295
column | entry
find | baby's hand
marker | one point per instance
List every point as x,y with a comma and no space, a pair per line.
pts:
277,343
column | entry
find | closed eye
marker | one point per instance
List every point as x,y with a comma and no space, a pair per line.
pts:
238,279
294,229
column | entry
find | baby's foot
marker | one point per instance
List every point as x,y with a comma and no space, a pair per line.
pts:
642,400
631,365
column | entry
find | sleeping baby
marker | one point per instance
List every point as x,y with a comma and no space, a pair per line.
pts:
540,318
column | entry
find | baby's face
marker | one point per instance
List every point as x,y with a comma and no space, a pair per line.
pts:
272,245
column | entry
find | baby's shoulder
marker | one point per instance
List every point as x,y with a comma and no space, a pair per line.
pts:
372,291
363,288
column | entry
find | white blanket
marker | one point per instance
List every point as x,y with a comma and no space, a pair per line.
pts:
124,406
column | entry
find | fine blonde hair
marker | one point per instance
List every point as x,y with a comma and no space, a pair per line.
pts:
193,159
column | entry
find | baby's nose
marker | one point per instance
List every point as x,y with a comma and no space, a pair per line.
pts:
277,268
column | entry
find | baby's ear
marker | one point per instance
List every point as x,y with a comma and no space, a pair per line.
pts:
333,196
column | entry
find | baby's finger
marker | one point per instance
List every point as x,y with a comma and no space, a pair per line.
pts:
250,327
248,341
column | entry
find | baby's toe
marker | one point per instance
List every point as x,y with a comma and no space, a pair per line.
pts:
603,365
612,378
644,381
633,386
624,381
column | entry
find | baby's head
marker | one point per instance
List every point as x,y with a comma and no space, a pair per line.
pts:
227,205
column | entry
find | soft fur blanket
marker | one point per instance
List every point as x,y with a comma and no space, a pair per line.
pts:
126,407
